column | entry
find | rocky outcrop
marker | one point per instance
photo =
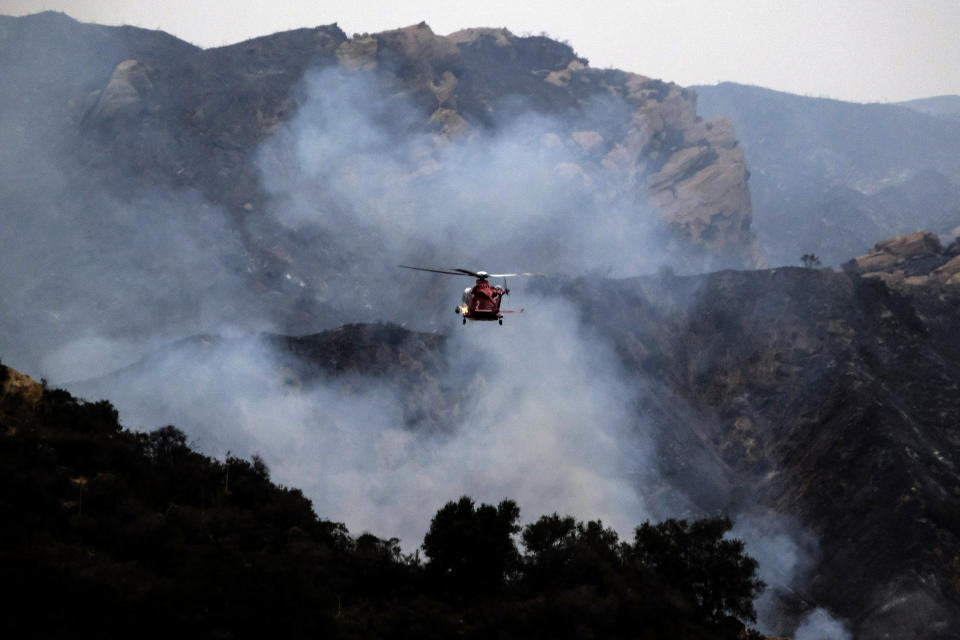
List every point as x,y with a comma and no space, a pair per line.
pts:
692,171
949,272
19,396
702,189
911,259
14,384
123,94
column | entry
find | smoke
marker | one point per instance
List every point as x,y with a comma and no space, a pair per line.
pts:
356,167
89,284
820,625
549,423
94,279
97,271
553,426
785,552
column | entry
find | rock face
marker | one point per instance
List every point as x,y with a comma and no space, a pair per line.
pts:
124,91
691,170
21,392
911,259
948,272
185,117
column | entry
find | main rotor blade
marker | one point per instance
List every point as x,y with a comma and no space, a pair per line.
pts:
448,273
510,275
467,272
496,275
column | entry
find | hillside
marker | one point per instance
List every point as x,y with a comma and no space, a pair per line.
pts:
943,106
210,239
833,178
836,406
258,169
826,432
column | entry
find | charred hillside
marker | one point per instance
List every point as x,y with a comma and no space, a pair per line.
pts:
822,398
823,395
350,359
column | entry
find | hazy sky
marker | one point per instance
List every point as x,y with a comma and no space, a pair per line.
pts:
860,50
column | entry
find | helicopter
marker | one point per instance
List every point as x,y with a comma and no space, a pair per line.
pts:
482,300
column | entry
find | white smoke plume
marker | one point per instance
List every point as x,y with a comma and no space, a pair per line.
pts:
549,424
820,625
353,167
785,552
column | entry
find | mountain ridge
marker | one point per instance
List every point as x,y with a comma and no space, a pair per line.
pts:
261,73
833,178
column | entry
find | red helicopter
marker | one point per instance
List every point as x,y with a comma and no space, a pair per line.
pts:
482,300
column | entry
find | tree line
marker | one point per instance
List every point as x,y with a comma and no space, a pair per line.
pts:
113,532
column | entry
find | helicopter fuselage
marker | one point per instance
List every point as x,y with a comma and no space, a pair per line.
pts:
481,302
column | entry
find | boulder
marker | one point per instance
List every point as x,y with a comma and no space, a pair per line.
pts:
358,53
916,254
947,271
501,37
123,94
28,390
875,261
717,132
920,243
419,46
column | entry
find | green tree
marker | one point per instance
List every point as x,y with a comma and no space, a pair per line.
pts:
471,549
561,552
810,261
698,563
166,444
